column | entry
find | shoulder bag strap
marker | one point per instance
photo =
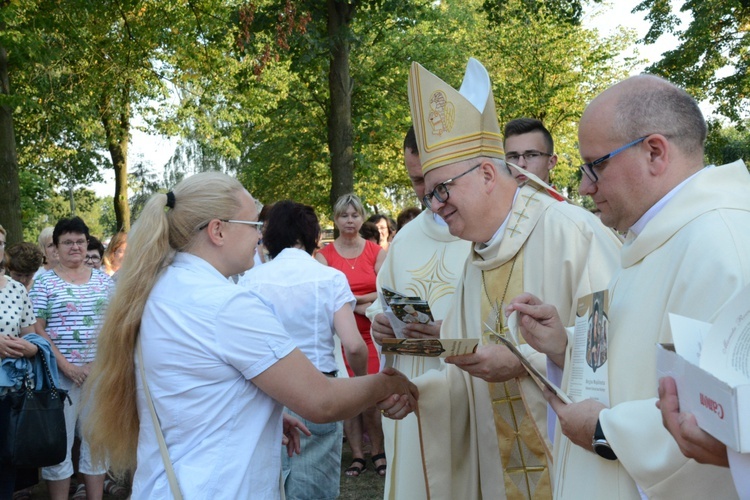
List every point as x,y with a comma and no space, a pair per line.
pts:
157,428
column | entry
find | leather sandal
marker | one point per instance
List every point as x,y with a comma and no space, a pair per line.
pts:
354,469
380,469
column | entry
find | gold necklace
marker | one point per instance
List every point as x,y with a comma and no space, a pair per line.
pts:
349,261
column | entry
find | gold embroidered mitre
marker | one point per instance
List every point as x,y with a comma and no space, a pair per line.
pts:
450,125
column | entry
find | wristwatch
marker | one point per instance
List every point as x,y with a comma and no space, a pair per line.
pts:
601,445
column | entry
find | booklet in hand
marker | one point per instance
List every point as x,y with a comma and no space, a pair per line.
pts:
401,309
536,375
431,348
411,310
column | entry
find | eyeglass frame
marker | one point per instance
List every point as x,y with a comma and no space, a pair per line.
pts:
77,243
93,258
258,225
534,152
427,199
590,165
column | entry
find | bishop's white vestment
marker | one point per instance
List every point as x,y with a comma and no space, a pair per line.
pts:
558,252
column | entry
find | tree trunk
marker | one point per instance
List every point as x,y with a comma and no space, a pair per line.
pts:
10,192
116,120
340,15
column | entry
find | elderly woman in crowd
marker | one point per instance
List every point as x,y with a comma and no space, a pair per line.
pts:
94,253
385,228
212,357
314,303
113,255
360,261
47,246
22,261
70,302
16,319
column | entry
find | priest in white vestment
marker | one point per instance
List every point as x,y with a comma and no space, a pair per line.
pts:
687,251
423,260
486,437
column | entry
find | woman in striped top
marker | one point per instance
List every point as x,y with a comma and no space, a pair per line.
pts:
70,303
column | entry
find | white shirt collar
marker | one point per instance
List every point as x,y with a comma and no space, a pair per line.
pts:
640,225
439,220
499,233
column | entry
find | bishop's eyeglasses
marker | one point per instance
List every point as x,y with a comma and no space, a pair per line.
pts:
441,190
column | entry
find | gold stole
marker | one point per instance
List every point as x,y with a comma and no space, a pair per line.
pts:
522,449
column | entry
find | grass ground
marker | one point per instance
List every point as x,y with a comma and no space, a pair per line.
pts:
368,486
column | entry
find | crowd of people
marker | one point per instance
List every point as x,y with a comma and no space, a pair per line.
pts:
227,352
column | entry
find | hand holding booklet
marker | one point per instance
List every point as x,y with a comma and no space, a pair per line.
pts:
433,348
401,309
711,366
540,379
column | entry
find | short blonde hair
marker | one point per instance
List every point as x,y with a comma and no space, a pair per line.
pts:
346,200
2,230
45,236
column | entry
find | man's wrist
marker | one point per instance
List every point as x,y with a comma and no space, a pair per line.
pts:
600,444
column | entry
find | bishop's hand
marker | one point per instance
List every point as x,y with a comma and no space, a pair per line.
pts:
541,326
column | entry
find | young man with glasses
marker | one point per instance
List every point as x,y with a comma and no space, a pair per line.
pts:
523,240
529,145
687,252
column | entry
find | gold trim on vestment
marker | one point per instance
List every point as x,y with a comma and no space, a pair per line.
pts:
522,449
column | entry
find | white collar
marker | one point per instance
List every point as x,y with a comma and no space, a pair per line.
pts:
657,207
439,220
499,233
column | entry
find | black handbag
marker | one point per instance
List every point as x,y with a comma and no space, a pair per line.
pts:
32,423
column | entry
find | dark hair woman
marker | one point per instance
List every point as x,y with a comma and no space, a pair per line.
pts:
315,305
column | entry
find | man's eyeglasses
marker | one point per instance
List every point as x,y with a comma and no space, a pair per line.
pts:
93,258
258,225
441,190
588,168
526,155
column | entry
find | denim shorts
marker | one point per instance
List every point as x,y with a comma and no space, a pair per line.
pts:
314,474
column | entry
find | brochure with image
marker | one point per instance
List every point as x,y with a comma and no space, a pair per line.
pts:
433,348
401,309
589,377
411,310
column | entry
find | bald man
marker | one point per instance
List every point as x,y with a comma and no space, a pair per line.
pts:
687,251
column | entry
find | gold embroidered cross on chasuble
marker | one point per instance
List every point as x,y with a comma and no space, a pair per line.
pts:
523,450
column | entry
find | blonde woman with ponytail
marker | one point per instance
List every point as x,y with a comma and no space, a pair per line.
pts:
218,363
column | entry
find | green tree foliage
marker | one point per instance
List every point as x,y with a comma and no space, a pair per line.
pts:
540,67
248,87
713,58
727,143
95,65
548,69
564,11
57,205
290,157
